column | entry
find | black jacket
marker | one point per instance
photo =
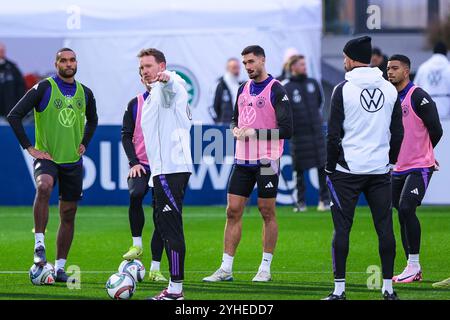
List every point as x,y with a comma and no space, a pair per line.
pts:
12,86
308,141
223,106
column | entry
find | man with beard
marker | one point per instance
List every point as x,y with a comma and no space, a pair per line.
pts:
61,107
262,120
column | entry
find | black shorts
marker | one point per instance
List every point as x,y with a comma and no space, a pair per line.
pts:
139,186
410,187
243,178
70,177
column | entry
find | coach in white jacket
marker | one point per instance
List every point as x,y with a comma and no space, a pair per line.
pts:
166,124
433,76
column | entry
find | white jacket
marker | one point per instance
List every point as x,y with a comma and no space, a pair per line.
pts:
166,124
368,102
433,76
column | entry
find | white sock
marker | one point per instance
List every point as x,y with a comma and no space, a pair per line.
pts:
60,264
265,262
227,263
137,241
39,240
339,286
413,259
175,287
387,286
155,265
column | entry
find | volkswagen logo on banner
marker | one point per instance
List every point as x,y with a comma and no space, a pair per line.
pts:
434,78
372,100
192,85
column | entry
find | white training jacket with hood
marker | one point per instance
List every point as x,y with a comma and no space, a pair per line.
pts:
365,112
166,123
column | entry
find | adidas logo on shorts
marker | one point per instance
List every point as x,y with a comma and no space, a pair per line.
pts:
269,185
415,191
167,208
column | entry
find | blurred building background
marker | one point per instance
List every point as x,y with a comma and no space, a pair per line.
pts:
407,26
198,37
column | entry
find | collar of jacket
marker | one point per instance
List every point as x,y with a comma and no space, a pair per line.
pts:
365,77
438,58
299,78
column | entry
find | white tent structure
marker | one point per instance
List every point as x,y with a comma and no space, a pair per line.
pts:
197,37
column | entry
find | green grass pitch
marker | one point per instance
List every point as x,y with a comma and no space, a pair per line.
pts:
301,268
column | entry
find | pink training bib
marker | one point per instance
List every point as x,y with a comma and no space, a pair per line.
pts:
416,150
257,112
138,136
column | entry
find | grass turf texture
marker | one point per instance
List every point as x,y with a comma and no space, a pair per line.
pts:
301,268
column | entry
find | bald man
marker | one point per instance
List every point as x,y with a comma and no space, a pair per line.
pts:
226,92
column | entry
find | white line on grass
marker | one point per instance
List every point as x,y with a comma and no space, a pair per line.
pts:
205,271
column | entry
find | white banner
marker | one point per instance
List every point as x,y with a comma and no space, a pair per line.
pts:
109,66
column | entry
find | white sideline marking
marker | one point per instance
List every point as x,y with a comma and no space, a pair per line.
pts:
205,271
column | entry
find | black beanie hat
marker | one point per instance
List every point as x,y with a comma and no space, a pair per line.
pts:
441,48
359,49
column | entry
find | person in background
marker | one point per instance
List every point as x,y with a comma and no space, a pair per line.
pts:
433,76
226,92
12,84
288,54
379,60
308,141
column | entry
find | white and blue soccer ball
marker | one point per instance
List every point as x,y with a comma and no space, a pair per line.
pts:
42,275
135,268
120,286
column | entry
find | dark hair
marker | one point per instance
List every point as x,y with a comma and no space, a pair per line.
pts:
376,51
158,55
440,47
402,58
255,49
62,50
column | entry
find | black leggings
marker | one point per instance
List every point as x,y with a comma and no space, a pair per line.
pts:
345,190
138,188
408,191
169,190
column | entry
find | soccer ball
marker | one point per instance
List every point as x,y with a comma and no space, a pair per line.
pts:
40,275
135,268
120,286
